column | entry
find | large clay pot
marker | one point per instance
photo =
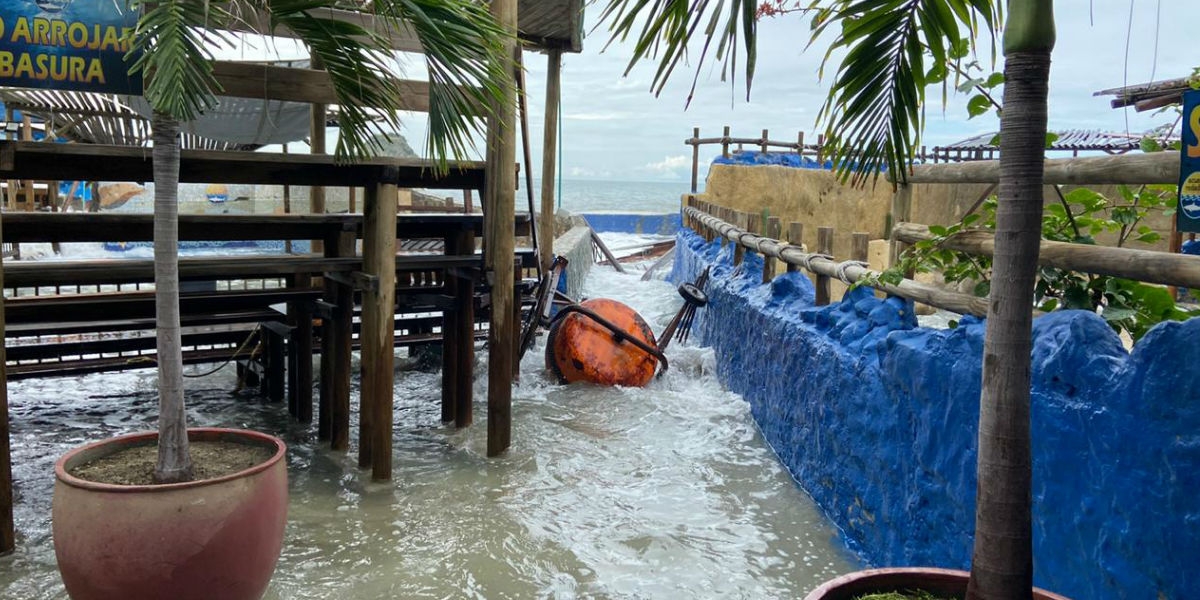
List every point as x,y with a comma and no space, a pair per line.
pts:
949,583
213,538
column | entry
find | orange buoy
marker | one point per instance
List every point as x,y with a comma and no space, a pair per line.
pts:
581,349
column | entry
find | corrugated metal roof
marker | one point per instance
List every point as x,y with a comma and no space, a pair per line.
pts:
1068,140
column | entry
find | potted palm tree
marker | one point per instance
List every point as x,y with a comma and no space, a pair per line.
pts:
874,115
201,512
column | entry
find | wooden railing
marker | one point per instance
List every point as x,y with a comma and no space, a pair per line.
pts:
747,232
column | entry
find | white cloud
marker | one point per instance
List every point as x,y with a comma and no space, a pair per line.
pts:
670,165
595,116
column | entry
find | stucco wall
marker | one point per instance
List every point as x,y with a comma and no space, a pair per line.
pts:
876,419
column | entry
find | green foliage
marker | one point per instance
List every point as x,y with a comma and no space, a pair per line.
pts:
1078,217
893,49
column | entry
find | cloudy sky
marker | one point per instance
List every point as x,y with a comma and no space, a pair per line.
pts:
614,128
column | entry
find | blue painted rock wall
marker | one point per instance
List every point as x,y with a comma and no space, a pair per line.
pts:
648,223
876,420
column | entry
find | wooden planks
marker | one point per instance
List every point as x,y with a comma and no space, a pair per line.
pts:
1131,169
94,162
271,82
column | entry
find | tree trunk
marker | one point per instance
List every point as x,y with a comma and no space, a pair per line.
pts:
1002,563
174,461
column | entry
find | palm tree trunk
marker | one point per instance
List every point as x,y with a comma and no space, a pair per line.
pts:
1002,563
174,461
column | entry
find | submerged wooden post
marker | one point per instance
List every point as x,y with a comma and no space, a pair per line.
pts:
824,246
299,372
549,155
458,335
501,203
775,232
795,238
695,159
516,342
378,326
8,540
333,412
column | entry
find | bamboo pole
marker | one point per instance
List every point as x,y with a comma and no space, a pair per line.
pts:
1129,169
378,328
550,154
1150,266
500,204
927,294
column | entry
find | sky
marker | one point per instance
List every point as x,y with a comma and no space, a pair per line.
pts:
614,128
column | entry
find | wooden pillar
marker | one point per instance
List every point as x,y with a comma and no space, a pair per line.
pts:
27,135
795,238
725,142
316,140
774,231
764,142
860,246
824,246
302,349
378,326
333,416
500,204
695,159
8,541
549,156
901,212
458,335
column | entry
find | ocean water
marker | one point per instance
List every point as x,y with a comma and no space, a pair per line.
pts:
582,196
667,491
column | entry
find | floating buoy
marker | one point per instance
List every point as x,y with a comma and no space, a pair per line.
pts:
583,348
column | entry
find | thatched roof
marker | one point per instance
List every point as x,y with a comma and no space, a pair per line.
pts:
1149,96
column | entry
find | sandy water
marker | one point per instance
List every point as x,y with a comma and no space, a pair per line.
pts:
663,492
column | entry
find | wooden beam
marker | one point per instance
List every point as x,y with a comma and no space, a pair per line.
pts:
1129,169
270,82
378,328
1140,265
500,205
399,35
94,162
550,155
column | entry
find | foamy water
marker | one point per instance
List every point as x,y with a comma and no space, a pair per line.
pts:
668,491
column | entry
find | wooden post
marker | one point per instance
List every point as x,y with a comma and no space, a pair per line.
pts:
824,246
333,415
316,140
300,400
764,142
27,135
10,198
901,212
516,342
695,159
353,192
287,206
800,146
795,238
821,150
1175,247
740,219
527,155
458,335
725,142
378,327
8,541
549,156
500,205
860,246
775,232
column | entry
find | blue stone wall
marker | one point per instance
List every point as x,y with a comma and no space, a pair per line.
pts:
876,420
648,223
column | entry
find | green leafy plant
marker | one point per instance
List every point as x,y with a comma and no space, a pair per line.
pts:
1078,217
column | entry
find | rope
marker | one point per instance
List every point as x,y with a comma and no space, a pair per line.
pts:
846,264
806,260
233,356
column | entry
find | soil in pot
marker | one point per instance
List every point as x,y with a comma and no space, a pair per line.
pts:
906,595
134,465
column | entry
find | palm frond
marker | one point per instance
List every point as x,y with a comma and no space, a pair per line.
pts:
173,50
662,30
466,58
876,108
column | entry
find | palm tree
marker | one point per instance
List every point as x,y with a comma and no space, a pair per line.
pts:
874,116
464,52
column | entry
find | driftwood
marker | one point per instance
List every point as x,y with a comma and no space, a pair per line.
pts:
848,271
1142,265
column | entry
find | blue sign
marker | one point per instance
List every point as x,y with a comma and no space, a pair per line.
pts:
1187,218
67,45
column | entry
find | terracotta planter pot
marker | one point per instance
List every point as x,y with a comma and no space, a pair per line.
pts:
214,538
940,582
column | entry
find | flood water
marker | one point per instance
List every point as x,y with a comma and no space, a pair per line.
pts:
663,492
